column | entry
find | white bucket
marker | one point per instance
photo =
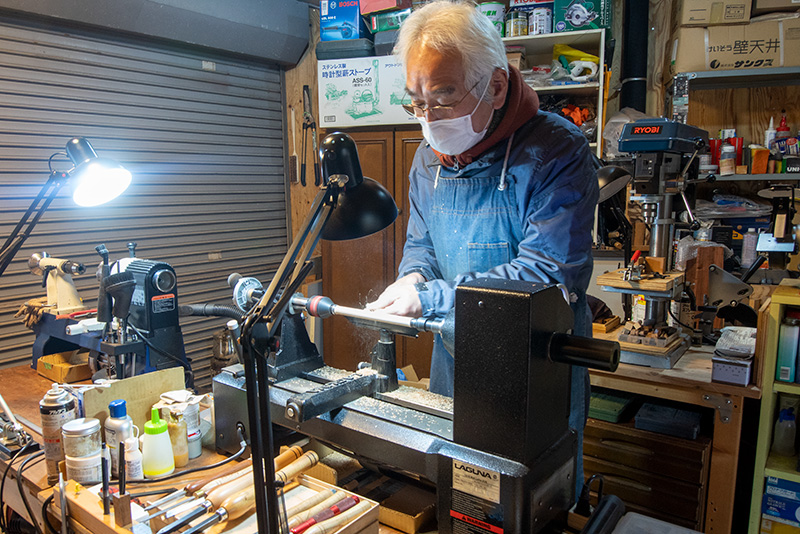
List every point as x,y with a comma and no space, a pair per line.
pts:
85,469
496,11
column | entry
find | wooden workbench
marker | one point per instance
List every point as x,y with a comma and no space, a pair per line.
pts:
22,389
689,381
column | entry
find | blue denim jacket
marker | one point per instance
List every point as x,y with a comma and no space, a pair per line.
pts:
553,175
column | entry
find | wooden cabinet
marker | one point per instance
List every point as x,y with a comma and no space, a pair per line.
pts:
767,463
356,272
654,474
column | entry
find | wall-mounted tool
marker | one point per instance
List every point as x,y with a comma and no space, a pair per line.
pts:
57,278
310,124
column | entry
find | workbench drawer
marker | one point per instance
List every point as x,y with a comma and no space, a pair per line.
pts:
683,459
649,490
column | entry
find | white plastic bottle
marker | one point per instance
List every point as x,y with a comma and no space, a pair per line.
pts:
157,459
788,340
118,427
784,435
749,242
133,459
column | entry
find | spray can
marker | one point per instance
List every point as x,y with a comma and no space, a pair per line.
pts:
56,408
118,427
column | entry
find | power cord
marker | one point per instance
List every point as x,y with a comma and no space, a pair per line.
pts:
185,365
18,454
46,518
20,471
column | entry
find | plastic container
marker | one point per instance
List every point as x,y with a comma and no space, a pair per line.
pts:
133,460
179,438
81,437
727,160
56,408
118,427
788,338
749,241
157,459
784,434
86,469
495,12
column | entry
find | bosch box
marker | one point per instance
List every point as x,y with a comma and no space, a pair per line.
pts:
341,19
572,15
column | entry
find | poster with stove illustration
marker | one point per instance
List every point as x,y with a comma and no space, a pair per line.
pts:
361,92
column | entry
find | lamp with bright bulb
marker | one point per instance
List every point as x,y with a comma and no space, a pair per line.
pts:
94,180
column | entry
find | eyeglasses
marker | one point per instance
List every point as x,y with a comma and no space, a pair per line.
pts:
437,112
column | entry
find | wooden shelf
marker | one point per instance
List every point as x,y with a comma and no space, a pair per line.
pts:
767,177
587,89
786,387
586,40
784,467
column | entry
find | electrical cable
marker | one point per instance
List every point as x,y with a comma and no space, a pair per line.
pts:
22,491
186,366
46,518
11,461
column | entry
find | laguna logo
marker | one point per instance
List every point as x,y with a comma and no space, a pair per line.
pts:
474,471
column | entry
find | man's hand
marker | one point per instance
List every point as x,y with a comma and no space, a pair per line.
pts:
400,298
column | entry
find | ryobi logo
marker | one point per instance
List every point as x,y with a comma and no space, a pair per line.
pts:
646,130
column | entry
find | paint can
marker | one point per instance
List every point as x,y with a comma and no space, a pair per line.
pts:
495,11
516,23
56,408
540,21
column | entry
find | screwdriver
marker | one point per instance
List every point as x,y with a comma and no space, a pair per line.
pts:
201,488
285,460
214,499
299,517
234,507
327,513
333,524
196,485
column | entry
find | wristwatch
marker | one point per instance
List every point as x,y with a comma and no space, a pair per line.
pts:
420,287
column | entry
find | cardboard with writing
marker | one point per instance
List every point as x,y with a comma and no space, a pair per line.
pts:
712,12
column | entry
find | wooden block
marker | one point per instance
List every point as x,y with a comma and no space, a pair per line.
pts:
614,279
86,508
605,326
656,264
122,509
741,169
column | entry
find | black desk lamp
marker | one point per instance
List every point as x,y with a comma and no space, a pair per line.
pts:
95,181
348,206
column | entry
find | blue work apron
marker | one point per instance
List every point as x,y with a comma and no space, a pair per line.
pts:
475,225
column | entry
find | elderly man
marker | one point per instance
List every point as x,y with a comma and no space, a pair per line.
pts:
500,189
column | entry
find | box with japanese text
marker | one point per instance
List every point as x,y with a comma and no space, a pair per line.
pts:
786,489
736,47
712,12
361,92
773,525
572,15
341,19
780,508
768,6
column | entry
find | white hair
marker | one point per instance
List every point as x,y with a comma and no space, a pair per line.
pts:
452,26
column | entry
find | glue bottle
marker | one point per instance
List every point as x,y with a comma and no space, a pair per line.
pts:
133,459
157,459
784,434
118,427
769,133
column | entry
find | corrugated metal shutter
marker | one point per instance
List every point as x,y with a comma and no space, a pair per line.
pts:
205,148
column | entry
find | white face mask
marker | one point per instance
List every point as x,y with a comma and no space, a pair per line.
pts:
454,136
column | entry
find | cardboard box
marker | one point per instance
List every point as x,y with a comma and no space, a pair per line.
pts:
392,20
65,367
771,525
413,380
737,47
403,506
785,489
569,15
361,92
341,20
712,12
767,6
371,6
781,508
